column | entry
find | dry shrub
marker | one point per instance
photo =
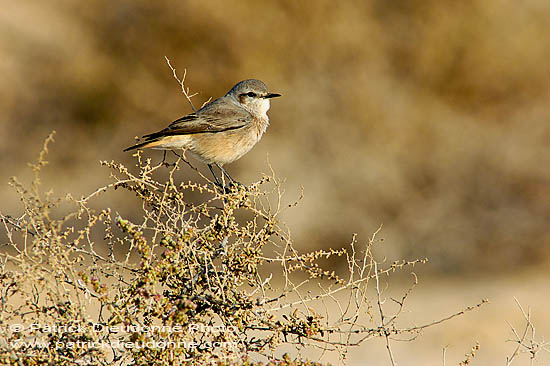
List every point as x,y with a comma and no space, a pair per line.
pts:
209,276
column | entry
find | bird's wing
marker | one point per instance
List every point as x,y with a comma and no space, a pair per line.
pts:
217,116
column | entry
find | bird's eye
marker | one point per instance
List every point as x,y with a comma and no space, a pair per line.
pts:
251,94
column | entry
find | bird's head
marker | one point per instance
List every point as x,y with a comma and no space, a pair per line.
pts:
253,95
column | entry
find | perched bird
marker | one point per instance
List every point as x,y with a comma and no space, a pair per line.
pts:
220,132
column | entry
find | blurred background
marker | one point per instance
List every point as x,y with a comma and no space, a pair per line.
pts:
429,117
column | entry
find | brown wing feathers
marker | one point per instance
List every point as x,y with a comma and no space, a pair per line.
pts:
187,125
210,119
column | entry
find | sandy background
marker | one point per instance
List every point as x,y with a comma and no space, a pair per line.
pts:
431,117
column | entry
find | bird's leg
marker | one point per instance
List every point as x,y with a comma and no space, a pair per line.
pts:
215,176
231,180
163,158
175,153
163,162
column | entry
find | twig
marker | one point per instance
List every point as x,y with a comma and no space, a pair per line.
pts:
461,312
181,82
382,317
530,345
445,354
470,355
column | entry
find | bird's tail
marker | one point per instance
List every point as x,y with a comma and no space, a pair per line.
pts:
143,145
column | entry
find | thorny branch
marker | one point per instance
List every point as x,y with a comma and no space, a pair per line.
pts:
526,340
184,89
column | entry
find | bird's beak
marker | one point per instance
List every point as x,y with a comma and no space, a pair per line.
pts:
272,95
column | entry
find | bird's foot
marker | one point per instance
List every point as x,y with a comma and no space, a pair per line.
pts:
165,163
237,185
168,165
231,187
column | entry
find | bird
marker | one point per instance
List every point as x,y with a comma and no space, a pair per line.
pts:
220,132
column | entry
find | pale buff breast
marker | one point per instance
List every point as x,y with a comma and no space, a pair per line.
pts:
226,147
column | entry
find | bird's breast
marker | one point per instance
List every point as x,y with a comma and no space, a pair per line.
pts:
228,146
